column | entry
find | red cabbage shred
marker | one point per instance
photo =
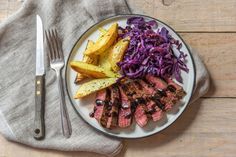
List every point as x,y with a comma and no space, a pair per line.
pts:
151,52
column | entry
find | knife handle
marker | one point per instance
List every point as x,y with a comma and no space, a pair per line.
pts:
39,129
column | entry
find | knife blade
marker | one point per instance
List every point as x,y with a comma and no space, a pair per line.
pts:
39,129
39,47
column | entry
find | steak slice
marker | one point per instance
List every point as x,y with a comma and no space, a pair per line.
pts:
101,105
175,88
113,107
156,82
167,98
175,92
129,89
140,114
149,90
125,114
155,112
153,106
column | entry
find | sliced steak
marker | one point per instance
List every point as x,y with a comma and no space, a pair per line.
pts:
170,100
175,88
166,97
155,112
154,106
135,89
99,104
101,113
125,114
158,96
140,114
149,90
156,82
174,92
129,89
113,107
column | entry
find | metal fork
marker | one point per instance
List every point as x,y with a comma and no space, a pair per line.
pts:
57,63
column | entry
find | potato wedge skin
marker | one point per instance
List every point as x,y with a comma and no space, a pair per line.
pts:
90,70
93,59
105,41
86,59
104,60
117,53
93,86
79,77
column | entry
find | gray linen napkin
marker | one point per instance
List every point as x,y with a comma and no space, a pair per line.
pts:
17,73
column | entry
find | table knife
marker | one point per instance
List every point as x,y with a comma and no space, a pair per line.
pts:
39,129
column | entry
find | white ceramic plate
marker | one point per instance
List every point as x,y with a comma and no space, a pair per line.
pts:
84,106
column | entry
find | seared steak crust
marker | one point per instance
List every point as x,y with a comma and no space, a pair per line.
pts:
113,107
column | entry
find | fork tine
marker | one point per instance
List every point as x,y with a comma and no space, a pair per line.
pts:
59,46
55,44
49,46
58,43
52,43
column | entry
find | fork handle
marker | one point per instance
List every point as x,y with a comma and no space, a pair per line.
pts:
65,121
39,130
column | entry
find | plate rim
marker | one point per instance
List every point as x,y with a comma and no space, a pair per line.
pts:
123,15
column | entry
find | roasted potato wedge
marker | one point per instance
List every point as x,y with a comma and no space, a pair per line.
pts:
105,41
104,60
93,59
79,77
93,86
117,53
90,70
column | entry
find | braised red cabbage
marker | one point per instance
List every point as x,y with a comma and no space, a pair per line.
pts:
151,52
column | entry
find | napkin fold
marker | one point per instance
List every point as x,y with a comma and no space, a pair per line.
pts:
17,73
